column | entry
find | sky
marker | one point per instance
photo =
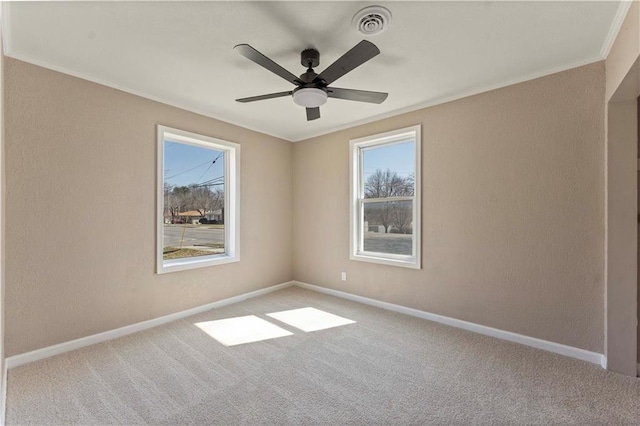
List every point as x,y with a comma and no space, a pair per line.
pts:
186,164
399,158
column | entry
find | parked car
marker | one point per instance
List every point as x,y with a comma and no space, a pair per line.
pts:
177,220
203,220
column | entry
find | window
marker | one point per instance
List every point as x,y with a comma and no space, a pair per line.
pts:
385,198
198,201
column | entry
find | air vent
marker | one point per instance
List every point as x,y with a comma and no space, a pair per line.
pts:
372,20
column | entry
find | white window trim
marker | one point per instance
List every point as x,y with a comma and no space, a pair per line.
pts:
232,201
355,164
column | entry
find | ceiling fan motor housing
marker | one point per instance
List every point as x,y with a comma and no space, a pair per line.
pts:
310,58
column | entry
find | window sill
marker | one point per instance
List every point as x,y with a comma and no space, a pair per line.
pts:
409,262
194,263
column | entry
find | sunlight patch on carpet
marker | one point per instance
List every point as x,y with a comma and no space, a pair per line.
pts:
239,330
310,319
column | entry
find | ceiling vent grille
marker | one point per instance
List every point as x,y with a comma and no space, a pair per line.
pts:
372,20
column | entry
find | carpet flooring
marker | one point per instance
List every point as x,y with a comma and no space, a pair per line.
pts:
380,367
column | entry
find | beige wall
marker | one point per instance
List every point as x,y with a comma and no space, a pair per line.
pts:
621,253
513,210
622,85
513,216
81,182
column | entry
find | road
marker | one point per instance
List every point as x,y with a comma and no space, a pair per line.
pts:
193,236
196,236
388,243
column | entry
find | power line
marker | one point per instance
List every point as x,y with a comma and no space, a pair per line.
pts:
202,185
219,178
212,163
211,182
181,173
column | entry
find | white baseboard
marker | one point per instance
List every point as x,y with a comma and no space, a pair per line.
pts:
25,358
558,348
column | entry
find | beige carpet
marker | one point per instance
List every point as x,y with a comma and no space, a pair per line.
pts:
385,368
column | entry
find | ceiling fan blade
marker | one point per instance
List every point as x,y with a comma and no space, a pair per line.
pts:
263,97
313,113
257,57
357,95
355,57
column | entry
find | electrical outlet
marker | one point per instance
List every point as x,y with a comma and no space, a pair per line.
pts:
344,276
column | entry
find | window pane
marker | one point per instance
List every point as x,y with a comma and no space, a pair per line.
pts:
194,195
388,227
389,170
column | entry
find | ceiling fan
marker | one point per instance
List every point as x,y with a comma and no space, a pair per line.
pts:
313,89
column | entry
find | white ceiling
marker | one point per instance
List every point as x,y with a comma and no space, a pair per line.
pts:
181,53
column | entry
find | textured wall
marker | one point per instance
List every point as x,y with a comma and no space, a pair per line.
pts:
621,256
622,84
513,210
81,180
512,214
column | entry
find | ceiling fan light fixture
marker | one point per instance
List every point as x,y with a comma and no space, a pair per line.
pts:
310,97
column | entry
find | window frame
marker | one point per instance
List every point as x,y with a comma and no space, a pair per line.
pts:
231,200
356,147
